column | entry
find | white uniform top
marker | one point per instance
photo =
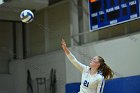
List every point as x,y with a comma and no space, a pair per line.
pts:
89,83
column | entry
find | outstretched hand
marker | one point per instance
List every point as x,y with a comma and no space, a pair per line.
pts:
64,46
63,43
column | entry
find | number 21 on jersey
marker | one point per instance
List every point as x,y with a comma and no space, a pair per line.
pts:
86,83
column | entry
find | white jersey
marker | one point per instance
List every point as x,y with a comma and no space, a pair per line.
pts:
89,83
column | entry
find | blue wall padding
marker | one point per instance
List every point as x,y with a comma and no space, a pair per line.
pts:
119,85
123,85
72,87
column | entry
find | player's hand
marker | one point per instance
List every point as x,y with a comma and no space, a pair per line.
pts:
63,43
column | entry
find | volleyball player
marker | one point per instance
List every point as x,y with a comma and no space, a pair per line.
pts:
94,75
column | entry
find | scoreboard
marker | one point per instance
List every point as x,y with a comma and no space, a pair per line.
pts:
105,13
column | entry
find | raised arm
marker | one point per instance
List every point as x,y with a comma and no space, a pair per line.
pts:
71,57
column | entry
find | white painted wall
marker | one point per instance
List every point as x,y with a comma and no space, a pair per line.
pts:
15,81
121,54
19,75
40,66
6,84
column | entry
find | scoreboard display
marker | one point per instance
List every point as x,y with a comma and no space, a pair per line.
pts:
105,13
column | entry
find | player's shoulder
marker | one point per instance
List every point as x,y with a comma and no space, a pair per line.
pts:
100,76
86,68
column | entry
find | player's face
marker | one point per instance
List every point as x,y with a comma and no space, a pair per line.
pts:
95,62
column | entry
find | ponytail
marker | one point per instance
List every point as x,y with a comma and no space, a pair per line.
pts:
105,69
